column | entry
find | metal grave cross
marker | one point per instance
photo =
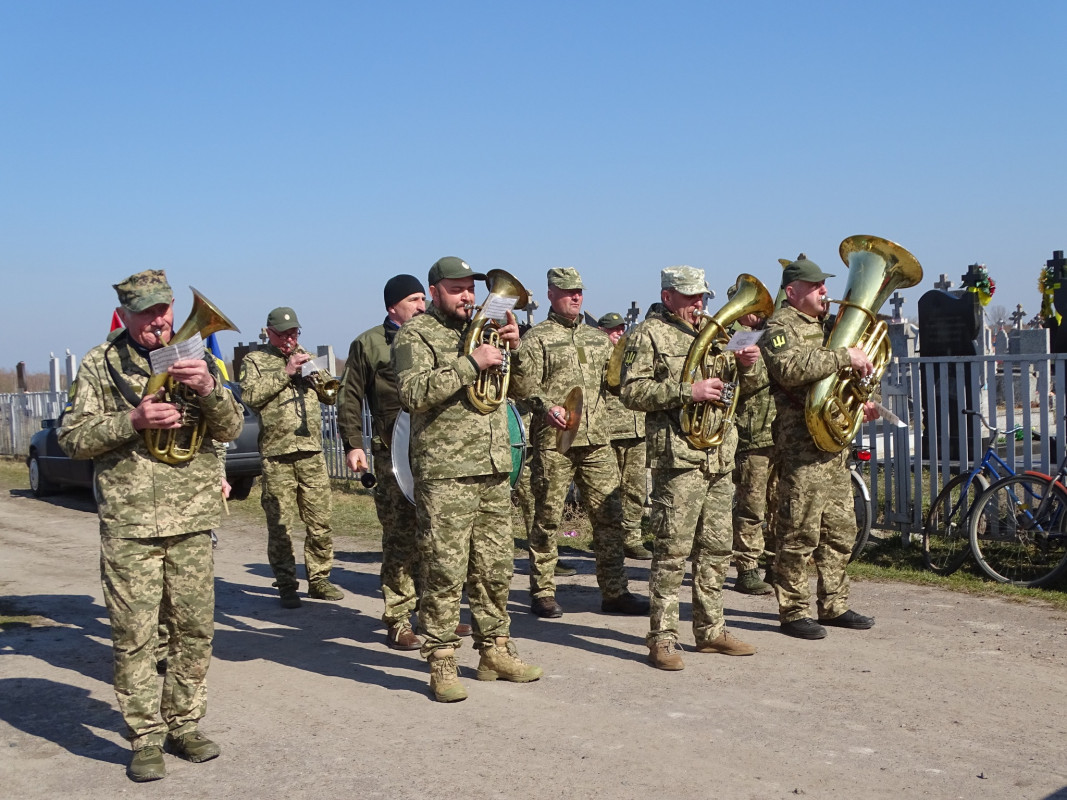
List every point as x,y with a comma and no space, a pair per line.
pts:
633,313
1017,317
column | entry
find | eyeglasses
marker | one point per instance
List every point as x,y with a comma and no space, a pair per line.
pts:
292,333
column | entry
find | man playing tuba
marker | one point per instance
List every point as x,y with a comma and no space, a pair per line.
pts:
815,515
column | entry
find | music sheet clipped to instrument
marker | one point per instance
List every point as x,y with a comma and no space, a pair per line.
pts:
496,306
162,358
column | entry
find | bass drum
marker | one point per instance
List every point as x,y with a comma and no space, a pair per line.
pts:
402,442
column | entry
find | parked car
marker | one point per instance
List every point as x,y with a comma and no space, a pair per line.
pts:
51,470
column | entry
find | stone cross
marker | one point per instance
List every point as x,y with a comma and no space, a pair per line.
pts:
263,335
972,270
1057,262
944,284
1017,317
531,307
633,313
897,300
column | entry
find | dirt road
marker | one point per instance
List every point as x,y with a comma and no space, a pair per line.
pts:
949,696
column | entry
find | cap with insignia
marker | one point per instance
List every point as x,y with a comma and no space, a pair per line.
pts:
566,278
452,267
144,290
610,320
803,270
683,279
282,319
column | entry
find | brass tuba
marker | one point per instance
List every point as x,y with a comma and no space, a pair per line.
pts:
178,445
705,424
490,388
877,267
326,386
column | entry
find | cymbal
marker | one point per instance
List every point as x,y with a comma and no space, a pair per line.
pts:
573,407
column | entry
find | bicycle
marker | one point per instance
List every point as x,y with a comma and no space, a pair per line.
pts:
861,500
1018,528
946,542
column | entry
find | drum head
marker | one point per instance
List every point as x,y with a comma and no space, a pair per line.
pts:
517,437
399,451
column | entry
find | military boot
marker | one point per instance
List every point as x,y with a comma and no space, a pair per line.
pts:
665,654
748,582
146,764
444,677
501,660
322,589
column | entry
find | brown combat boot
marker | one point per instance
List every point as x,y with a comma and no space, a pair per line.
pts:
444,677
501,661
665,654
727,644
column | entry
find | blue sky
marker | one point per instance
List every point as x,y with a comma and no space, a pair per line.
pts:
302,153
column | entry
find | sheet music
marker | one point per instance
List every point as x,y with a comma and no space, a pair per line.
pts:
164,357
742,339
496,307
313,366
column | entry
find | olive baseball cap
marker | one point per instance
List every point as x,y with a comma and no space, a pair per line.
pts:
452,267
144,290
565,278
610,320
282,319
683,279
803,270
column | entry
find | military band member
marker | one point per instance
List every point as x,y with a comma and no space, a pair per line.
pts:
155,522
692,490
815,514
556,356
628,442
461,463
296,484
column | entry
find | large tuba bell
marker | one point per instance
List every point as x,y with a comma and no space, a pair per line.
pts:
490,388
876,268
705,424
178,445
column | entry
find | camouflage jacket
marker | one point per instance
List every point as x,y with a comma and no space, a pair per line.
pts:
449,437
557,355
755,411
652,382
290,415
795,356
139,497
622,422
369,375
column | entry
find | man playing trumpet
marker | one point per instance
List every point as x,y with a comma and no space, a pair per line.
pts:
295,480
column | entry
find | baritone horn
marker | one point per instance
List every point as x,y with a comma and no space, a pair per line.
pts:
490,388
178,445
705,424
877,267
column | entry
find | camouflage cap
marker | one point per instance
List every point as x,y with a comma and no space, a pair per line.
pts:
565,278
144,290
683,279
452,267
282,319
803,270
610,320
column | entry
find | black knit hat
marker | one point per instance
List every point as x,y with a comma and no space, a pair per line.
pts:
400,286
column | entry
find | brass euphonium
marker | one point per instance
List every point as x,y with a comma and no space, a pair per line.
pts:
490,389
178,445
705,424
877,267
326,386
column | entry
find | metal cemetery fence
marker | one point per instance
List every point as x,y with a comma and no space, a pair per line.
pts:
908,465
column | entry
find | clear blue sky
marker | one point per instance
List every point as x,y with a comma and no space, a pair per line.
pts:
302,153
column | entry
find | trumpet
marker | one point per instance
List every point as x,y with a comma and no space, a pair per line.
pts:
326,386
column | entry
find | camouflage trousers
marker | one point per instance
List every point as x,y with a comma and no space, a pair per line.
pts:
630,456
464,536
690,515
297,486
400,554
596,473
816,518
525,500
751,476
142,578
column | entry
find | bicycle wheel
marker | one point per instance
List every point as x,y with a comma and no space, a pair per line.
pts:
861,499
945,544
1016,536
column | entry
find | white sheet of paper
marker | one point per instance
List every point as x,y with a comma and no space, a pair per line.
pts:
742,339
162,358
496,307
312,366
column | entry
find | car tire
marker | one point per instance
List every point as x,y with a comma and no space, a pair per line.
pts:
240,487
39,485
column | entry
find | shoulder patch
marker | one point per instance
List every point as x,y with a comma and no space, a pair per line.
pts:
776,343
629,357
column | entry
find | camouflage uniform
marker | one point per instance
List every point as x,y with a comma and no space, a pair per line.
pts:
815,515
461,461
557,355
755,444
155,538
691,488
628,443
295,481
369,375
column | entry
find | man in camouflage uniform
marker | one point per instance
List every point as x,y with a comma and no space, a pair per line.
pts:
155,522
557,355
628,442
295,480
815,514
691,487
461,462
